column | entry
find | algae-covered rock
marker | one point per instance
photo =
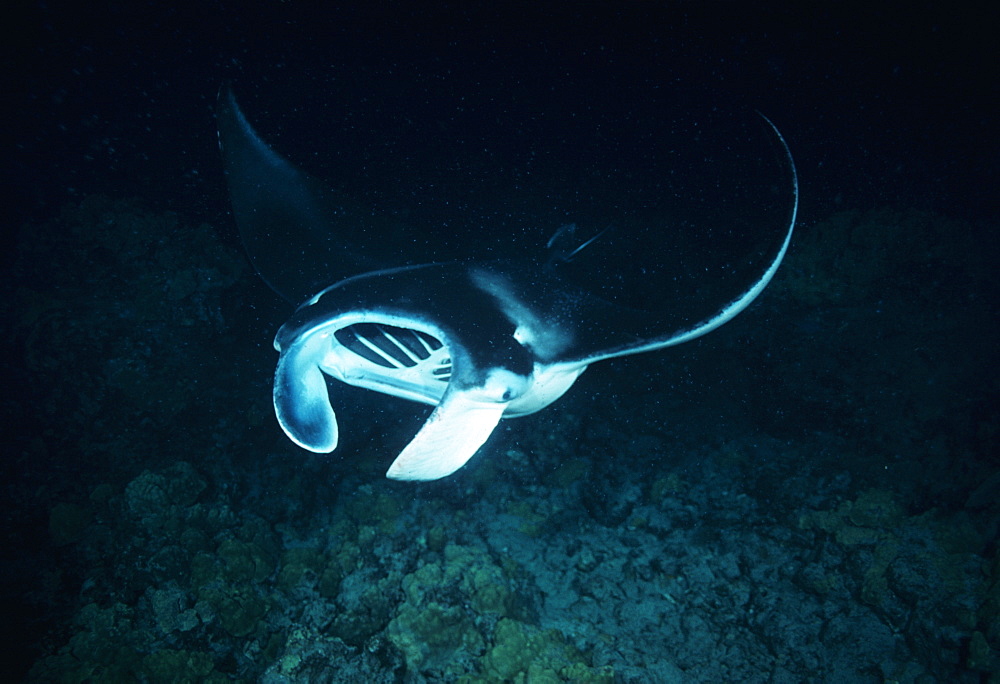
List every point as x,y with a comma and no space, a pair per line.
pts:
374,509
172,610
980,656
206,569
532,520
448,606
310,655
365,611
176,667
106,647
875,584
523,653
871,518
447,621
435,636
183,484
245,561
876,508
146,498
299,565
437,538
568,472
339,564
155,499
482,581
516,647
665,488
240,609
871,521
470,571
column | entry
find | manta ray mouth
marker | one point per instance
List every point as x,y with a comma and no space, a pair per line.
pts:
393,348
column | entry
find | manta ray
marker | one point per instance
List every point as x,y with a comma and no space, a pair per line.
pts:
478,339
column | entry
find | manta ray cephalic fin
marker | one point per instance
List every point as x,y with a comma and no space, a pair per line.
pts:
455,430
301,398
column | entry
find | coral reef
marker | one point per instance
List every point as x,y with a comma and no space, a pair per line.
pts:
627,537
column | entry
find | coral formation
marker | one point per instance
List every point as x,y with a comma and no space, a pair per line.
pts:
622,539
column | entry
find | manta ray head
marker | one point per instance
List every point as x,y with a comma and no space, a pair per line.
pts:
458,351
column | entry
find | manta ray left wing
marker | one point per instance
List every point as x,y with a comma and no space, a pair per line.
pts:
479,340
295,230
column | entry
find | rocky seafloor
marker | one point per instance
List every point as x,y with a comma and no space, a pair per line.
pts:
809,494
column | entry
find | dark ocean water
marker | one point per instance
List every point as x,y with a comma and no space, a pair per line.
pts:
809,493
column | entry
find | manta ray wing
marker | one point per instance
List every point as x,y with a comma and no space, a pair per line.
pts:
295,230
